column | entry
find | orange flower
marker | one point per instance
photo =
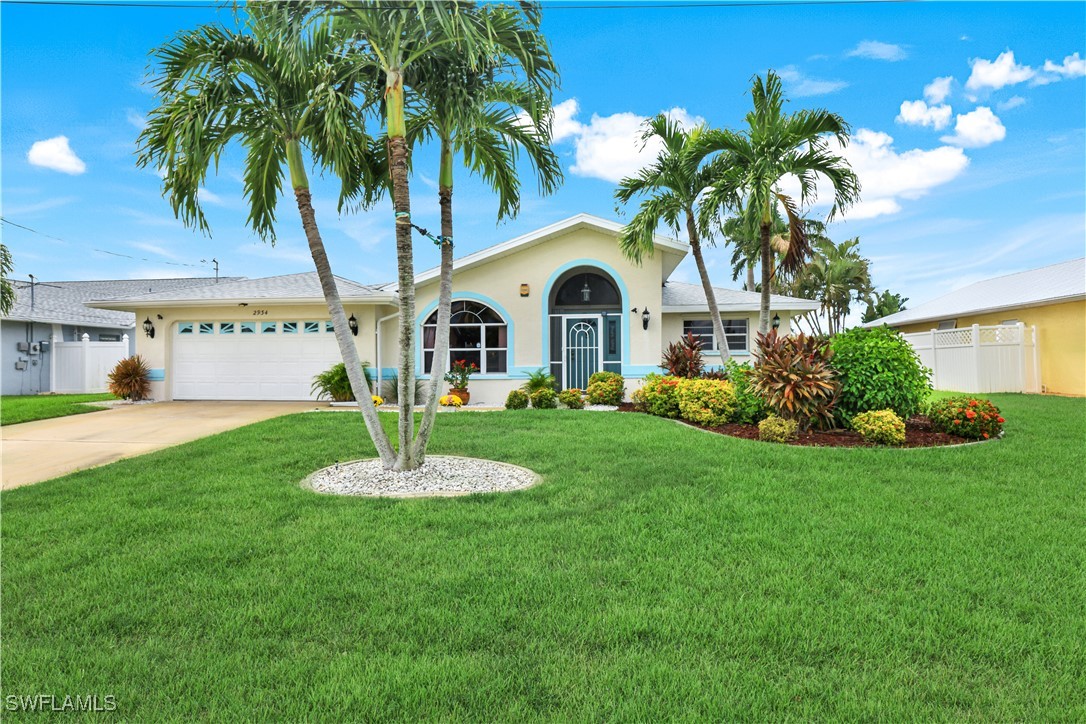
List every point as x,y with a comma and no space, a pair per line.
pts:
972,403
985,436
1000,420
970,414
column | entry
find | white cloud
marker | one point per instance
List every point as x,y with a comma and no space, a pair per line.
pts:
1011,103
977,128
610,147
875,50
38,207
919,113
154,249
1072,66
800,85
208,197
938,90
886,176
998,73
136,119
56,154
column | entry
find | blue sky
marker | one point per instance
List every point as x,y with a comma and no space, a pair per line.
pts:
968,136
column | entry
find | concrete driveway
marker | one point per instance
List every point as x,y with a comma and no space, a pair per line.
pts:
44,449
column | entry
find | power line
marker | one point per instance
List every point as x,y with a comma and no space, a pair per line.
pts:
104,251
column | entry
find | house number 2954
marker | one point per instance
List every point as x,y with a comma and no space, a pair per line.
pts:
260,312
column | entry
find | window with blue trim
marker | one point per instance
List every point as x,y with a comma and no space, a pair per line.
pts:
329,327
268,327
735,332
207,328
184,327
226,327
248,327
477,334
312,327
290,327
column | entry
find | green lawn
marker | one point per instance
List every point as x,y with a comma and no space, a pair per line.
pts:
658,572
24,408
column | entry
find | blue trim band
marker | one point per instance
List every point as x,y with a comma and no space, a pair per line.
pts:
157,374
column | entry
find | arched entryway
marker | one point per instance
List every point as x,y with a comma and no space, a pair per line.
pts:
585,317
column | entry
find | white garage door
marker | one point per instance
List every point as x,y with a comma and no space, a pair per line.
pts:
265,360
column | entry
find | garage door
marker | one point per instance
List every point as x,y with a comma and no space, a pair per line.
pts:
265,360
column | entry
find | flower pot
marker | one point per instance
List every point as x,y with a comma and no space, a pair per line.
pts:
462,394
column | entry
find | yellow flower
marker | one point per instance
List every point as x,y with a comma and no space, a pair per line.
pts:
450,401
378,400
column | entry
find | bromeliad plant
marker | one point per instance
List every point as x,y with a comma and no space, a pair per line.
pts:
796,380
684,358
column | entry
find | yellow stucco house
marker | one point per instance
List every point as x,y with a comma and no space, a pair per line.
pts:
1052,299
562,297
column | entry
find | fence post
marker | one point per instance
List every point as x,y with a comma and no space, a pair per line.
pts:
52,362
85,352
934,362
1021,355
1036,361
976,359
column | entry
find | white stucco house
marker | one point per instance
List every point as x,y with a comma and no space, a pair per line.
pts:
562,297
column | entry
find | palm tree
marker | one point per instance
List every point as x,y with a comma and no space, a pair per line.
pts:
7,291
774,146
836,276
488,121
393,37
883,305
278,86
672,188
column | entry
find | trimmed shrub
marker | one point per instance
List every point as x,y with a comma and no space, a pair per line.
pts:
750,408
571,398
971,417
544,399
882,427
450,401
795,378
606,388
658,395
516,400
777,429
683,358
130,379
706,402
878,370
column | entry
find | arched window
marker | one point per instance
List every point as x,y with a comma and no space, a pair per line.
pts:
477,334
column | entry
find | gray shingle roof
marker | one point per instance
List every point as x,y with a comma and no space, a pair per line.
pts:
303,286
681,294
65,302
1063,281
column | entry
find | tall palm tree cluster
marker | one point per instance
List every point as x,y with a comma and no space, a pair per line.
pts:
727,183
348,89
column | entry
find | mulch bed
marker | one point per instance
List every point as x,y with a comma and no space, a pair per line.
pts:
918,433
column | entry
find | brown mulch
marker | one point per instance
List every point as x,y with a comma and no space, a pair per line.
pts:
918,433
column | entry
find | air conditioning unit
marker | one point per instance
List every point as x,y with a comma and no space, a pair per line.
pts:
35,348
22,346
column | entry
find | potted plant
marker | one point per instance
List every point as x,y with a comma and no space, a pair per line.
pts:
457,377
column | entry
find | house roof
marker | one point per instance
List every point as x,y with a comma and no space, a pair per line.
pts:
1061,282
283,289
677,249
683,297
66,302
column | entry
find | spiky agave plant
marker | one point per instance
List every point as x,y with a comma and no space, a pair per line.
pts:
130,379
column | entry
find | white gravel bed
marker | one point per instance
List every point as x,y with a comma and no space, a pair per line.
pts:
440,475
601,408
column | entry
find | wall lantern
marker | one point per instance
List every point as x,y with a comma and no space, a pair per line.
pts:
149,328
645,318
353,324
776,321
586,291
524,289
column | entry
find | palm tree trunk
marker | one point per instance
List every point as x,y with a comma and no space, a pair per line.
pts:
710,295
444,303
401,203
750,275
767,268
335,307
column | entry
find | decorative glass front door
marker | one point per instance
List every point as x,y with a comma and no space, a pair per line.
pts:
582,353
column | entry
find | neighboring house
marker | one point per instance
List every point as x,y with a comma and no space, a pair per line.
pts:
562,298
1052,298
57,311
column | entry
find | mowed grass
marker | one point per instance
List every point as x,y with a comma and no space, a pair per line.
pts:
658,572
25,408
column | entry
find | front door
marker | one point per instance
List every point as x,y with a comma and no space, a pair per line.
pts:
582,353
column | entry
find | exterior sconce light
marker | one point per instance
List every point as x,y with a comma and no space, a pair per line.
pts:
645,318
149,328
524,289
353,324
776,321
586,291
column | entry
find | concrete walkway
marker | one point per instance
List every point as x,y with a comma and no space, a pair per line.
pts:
44,449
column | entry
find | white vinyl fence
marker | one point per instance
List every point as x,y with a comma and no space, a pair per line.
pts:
83,366
998,358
